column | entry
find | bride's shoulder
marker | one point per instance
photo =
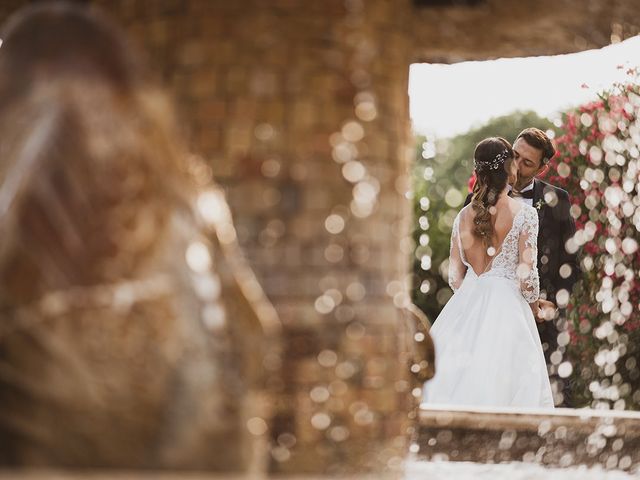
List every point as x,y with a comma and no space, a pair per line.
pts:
465,213
529,211
529,215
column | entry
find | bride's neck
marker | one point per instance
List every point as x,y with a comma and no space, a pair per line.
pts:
504,193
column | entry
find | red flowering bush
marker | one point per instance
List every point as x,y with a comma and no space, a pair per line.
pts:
598,163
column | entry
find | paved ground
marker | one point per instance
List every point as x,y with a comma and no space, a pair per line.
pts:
415,470
509,471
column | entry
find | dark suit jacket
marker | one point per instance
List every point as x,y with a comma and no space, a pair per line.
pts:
556,226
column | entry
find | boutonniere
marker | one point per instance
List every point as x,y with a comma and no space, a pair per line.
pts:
539,204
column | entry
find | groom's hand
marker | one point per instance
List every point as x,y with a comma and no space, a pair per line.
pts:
535,308
546,310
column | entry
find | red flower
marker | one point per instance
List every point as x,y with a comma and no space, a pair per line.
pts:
472,181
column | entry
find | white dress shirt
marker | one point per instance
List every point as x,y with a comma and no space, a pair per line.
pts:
528,201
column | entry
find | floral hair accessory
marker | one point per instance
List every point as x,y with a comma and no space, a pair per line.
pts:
493,164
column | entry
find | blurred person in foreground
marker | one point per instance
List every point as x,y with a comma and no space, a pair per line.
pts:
125,336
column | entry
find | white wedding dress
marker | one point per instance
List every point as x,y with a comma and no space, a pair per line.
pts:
488,351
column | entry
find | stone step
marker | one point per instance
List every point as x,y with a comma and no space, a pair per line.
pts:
557,438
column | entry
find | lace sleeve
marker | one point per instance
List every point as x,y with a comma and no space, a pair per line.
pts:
528,256
456,266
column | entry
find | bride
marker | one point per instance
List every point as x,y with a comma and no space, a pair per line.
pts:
488,350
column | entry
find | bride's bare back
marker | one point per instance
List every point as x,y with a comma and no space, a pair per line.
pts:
512,254
475,252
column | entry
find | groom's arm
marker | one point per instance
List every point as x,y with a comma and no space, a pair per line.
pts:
468,199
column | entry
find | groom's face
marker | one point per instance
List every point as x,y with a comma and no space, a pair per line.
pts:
529,162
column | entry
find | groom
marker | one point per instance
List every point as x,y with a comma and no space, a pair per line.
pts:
557,267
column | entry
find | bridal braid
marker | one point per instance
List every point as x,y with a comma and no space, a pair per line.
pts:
492,156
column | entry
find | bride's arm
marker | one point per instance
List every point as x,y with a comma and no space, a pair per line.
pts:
528,259
457,269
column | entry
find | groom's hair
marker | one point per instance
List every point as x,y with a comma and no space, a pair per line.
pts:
539,140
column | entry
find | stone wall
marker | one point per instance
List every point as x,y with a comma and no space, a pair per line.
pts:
502,28
301,110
